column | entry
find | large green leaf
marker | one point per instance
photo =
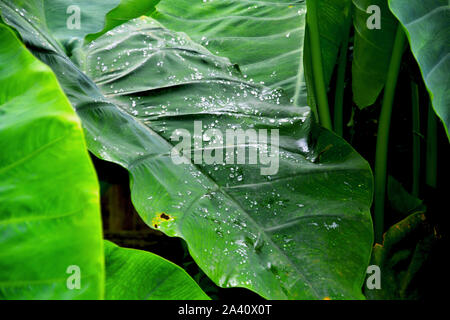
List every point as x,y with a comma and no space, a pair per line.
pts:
333,23
140,275
304,232
426,25
265,38
372,52
273,234
49,196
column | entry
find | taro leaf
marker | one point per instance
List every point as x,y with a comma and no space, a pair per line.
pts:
304,232
427,26
372,52
333,23
283,235
49,196
127,10
265,38
57,16
139,275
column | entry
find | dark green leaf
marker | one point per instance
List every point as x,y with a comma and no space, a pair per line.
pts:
372,51
267,233
402,258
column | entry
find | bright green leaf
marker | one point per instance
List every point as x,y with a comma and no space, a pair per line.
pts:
49,196
139,275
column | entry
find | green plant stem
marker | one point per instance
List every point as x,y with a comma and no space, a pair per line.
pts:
383,133
317,66
416,138
431,165
340,81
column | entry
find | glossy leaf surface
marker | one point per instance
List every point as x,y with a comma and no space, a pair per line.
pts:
246,229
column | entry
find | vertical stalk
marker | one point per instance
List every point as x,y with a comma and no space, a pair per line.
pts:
416,138
383,133
340,81
431,165
317,66
311,93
